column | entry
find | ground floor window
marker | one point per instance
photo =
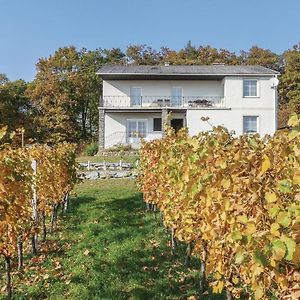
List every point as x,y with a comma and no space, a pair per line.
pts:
250,124
136,129
157,124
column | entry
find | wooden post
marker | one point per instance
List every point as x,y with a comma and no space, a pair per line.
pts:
34,206
20,252
88,165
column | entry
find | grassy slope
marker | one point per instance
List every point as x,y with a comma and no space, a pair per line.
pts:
109,249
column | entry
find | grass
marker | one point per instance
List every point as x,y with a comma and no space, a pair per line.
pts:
101,158
108,247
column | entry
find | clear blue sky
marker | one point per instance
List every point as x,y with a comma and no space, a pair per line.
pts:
30,29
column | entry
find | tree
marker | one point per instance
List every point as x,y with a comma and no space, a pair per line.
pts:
263,57
65,94
15,107
142,55
290,80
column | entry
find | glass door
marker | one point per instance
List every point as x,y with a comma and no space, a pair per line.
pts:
136,129
176,96
136,96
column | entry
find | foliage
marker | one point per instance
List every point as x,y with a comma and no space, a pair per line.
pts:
65,94
91,149
28,194
236,199
290,80
15,107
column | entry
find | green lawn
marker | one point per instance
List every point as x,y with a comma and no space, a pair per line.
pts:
108,247
101,158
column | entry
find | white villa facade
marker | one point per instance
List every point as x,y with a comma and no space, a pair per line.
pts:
137,99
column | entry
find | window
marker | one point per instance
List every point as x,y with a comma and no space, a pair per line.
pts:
250,88
136,96
176,96
157,124
250,124
136,128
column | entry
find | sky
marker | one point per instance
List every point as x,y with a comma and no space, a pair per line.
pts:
31,29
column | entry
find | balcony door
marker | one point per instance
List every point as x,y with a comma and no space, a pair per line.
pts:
136,129
135,96
176,96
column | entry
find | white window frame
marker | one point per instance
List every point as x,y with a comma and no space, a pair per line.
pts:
136,120
257,88
257,124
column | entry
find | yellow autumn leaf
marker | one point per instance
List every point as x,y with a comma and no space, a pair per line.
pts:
296,178
265,165
270,197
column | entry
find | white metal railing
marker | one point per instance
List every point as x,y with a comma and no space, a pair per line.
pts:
133,139
162,101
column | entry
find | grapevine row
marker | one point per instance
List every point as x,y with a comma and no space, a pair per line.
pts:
235,201
34,183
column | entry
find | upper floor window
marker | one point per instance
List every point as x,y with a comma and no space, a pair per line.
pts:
250,124
250,88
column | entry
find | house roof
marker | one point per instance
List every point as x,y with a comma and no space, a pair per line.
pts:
171,72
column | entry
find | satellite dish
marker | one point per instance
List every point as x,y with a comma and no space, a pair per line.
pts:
274,82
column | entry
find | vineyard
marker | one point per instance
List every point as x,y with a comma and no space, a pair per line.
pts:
34,183
235,202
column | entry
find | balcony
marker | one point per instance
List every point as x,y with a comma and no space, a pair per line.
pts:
131,138
150,102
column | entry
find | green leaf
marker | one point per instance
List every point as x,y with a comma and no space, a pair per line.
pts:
236,235
242,219
260,258
290,245
273,211
284,186
293,120
284,219
239,257
279,249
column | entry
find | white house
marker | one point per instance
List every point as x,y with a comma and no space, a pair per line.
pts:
137,99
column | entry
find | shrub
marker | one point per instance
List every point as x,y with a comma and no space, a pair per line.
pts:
91,149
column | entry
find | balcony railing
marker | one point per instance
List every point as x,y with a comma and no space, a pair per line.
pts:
162,101
133,139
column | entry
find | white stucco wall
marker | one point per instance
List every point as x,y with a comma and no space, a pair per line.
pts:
231,119
163,87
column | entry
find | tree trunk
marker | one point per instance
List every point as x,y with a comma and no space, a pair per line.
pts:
34,244
66,204
189,250
147,206
8,278
44,235
173,240
20,253
228,295
202,279
54,217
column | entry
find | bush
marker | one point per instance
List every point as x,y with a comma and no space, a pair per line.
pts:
91,149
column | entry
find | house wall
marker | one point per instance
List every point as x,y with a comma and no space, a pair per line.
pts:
232,119
163,87
115,126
